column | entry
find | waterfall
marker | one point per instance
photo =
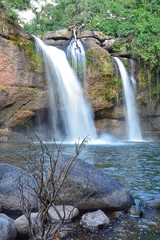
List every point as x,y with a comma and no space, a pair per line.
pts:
132,77
70,114
77,58
132,119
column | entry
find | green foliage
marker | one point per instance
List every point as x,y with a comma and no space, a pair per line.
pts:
138,19
117,81
11,7
28,123
34,89
117,46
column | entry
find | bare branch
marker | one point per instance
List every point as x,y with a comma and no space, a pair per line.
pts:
48,180
111,17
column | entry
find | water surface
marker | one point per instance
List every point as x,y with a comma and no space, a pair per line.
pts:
135,165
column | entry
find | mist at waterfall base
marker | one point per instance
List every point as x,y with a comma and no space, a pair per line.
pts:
70,116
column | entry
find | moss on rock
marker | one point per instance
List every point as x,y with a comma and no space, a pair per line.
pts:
100,73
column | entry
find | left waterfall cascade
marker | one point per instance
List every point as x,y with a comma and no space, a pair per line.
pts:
70,115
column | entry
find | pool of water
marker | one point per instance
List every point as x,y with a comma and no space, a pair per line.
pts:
135,165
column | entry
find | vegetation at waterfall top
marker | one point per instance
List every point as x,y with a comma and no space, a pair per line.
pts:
137,20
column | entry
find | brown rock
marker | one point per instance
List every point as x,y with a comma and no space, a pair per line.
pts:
59,34
92,34
21,78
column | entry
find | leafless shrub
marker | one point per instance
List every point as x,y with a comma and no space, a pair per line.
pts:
42,164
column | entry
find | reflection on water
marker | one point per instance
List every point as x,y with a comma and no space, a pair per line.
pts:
135,165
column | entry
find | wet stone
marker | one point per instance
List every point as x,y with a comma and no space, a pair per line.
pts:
94,220
135,211
153,203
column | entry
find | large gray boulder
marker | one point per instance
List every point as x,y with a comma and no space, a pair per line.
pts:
90,188
10,187
81,185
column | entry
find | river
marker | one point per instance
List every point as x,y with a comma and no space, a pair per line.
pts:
135,164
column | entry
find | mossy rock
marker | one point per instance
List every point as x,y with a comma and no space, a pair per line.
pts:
15,33
100,74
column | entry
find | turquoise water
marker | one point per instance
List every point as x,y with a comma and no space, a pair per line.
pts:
135,165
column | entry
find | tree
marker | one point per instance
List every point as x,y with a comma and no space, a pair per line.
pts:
138,19
11,7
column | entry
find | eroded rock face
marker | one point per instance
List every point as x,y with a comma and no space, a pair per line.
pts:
21,79
16,54
18,104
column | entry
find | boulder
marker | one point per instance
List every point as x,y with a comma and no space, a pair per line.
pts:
82,185
7,229
65,34
89,188
58,35
22,226
94,220
92,34
66,212
10,190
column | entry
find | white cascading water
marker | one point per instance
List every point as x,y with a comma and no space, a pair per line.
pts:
132,119
71,114
132,69
77,58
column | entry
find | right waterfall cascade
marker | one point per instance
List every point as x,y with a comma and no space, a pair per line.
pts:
131,115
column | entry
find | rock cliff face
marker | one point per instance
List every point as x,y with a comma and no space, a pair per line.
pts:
22,81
